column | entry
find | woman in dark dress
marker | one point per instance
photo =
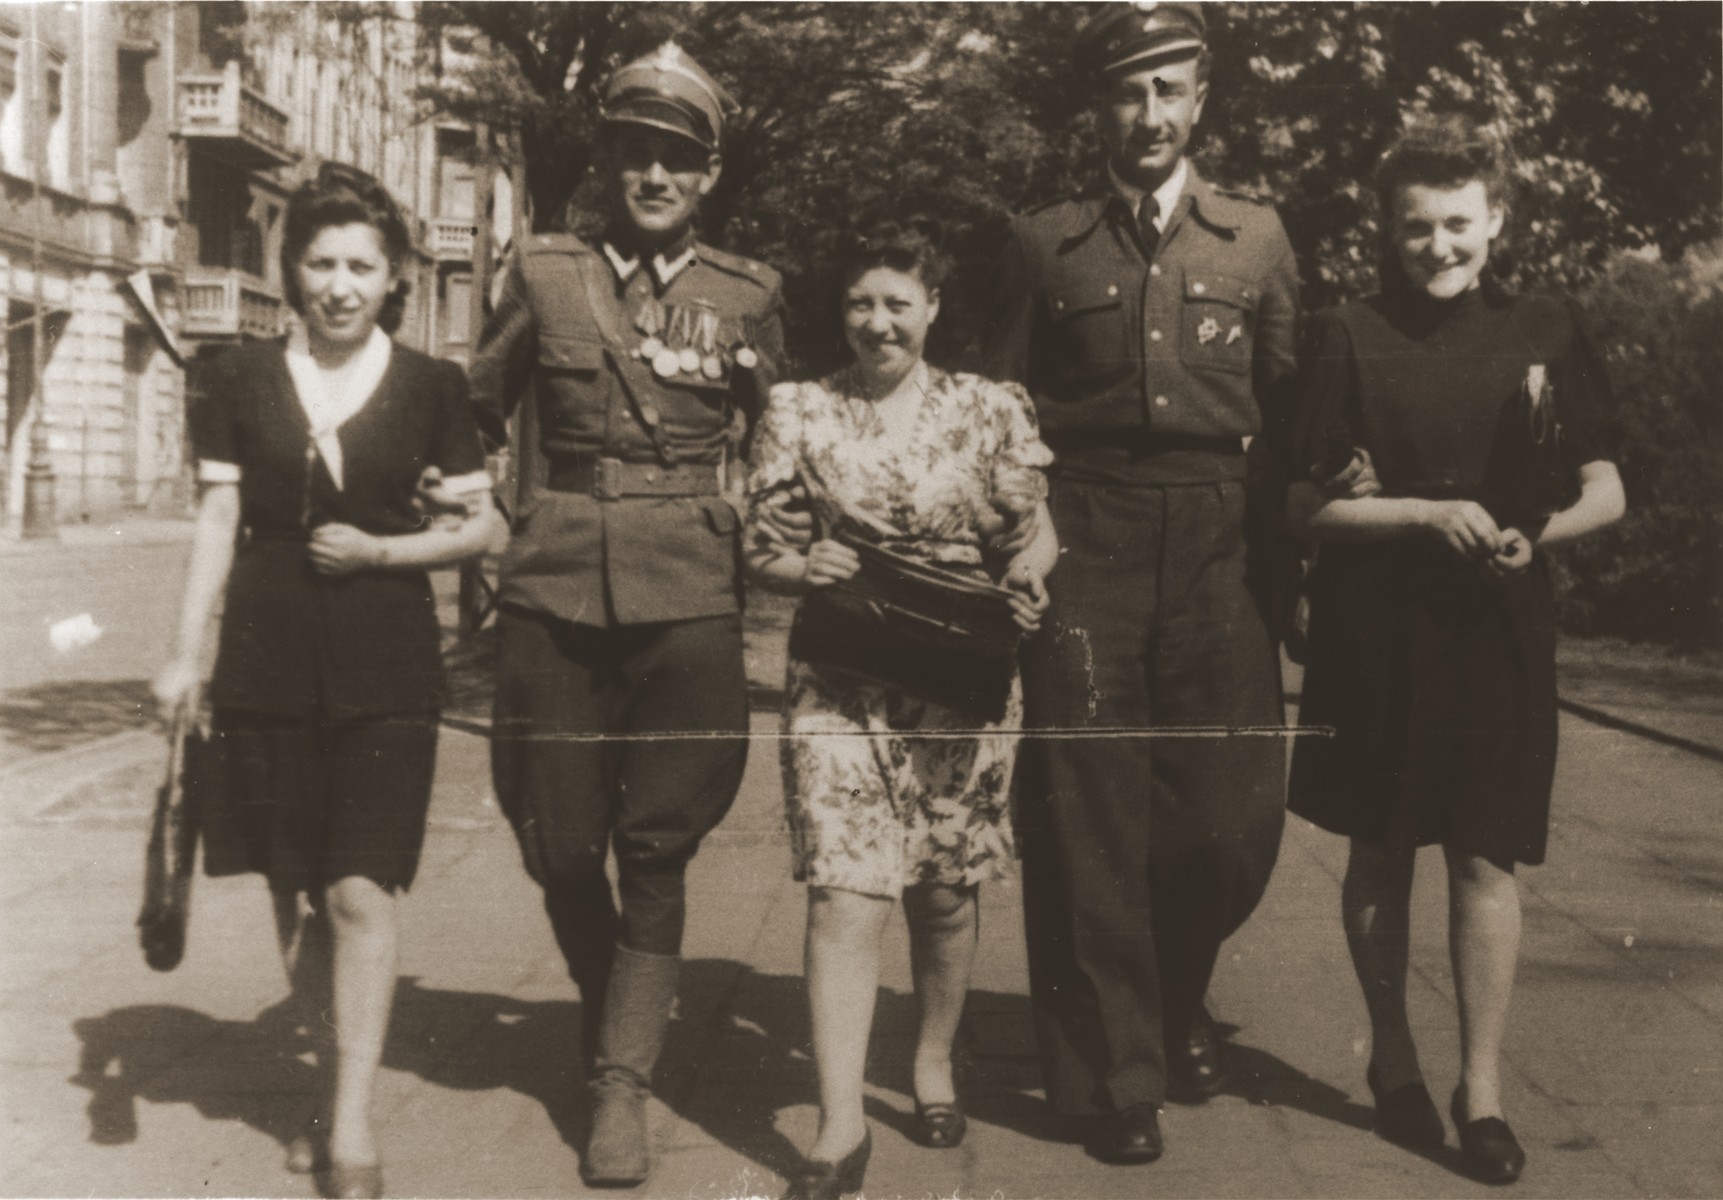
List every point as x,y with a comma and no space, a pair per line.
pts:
1432,636
327,678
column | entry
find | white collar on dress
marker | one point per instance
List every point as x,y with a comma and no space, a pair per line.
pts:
330,398
1166,195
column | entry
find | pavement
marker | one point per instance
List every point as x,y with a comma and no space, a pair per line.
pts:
119,1081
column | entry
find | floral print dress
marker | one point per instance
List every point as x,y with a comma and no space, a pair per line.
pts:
872,806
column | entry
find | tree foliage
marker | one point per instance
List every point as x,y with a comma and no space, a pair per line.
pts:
971,112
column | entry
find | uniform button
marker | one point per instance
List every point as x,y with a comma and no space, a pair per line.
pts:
1198,288
1160,401
1155,269
1154,335
1112,289
651,475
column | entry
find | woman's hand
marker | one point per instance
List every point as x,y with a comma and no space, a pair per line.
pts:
338,550
1512,556
830,561
175,687
1028,589
1464,526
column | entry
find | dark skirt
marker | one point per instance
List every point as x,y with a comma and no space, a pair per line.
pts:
307,803
1440,686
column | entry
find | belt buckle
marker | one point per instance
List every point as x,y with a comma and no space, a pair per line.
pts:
607,479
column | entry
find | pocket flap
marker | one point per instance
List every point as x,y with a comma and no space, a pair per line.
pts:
1225,289
1084,297
562,353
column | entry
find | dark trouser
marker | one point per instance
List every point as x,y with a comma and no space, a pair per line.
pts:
572,795
1141,855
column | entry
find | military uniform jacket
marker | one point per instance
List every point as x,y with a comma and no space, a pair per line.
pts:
1199,343
635,559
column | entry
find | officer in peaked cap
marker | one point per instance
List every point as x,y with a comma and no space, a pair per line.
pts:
628,356
1152,318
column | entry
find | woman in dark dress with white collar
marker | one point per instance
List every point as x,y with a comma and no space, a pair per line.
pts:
328,678
1432,618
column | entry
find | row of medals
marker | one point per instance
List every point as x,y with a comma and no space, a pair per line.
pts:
683,340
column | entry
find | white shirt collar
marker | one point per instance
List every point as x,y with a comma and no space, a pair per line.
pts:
1166,195
330,398
663,271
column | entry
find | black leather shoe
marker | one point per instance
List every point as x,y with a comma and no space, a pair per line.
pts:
1131,1135
817,1180
940,1126
1488,1148
1406,1116
1196,1060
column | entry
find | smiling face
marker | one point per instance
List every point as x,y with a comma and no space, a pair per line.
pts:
1147,118
344,278
1442,235
886,317
660,178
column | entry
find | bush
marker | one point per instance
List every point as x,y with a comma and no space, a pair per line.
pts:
1657,575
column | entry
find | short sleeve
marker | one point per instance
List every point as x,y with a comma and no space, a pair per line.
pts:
458,453
1018,483
1325,430
214,423
1584,399
774,460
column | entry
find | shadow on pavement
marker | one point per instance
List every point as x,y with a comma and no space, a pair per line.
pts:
52,716
737,1056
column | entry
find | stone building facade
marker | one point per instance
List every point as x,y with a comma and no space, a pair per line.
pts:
147,151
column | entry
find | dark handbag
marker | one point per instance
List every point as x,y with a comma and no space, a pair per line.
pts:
171,854
1531,474
933,633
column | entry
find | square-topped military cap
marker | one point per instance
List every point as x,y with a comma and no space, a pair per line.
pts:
668,90
1122,38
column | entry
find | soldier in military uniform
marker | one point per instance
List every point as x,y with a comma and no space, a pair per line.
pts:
1153,321
619,622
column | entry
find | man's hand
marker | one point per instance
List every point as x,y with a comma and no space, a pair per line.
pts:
338,550
435,502
830,561
785,521
1356,480
1028,595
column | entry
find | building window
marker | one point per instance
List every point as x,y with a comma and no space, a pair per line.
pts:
132,97
11,108
59,128
457,153
457,309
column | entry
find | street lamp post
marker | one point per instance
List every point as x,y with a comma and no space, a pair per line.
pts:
39,502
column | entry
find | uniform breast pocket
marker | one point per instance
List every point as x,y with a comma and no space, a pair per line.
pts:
1219,315
1089,322
559,352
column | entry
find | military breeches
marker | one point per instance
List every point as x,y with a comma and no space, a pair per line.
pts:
579,770
1141,854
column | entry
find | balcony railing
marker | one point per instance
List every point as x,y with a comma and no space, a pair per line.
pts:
220,114
451,238
228,303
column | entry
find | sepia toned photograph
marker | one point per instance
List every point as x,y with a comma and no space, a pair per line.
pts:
853,601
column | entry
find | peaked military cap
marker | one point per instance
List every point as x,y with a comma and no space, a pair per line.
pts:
1130,37
669,90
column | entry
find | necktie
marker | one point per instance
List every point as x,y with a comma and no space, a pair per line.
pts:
1147,235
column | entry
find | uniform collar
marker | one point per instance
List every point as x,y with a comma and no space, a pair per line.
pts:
664,266
1209,206
1166,195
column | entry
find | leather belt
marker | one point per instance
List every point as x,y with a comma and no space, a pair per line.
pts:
613,479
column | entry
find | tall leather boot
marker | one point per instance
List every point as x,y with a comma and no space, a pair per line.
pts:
636,1013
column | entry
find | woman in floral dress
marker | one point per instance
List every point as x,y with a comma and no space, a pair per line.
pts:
933,466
